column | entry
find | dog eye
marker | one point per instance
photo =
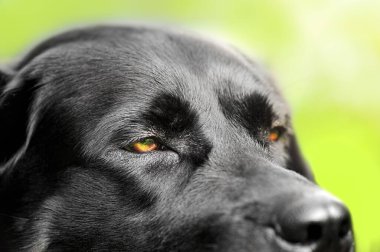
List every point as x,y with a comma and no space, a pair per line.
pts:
276,133
145,145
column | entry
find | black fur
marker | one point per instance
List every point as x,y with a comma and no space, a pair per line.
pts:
68,181
174,119
253,112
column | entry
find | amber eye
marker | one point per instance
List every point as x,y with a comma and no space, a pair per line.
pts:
144,145
276,133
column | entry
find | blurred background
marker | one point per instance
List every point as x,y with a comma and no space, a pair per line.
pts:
324,54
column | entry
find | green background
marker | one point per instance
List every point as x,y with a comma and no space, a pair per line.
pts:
325,55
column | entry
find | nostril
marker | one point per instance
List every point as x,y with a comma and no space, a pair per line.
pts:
314,232
345,227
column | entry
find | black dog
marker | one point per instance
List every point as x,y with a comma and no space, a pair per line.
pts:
146,139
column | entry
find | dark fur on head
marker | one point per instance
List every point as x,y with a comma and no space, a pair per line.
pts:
69,181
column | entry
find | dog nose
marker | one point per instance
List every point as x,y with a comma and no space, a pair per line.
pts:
319,219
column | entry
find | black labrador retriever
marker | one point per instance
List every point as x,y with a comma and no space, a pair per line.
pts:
138,138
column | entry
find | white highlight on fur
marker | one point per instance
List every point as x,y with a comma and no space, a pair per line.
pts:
41,229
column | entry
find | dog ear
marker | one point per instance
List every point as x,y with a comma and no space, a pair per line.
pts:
296,161
15,98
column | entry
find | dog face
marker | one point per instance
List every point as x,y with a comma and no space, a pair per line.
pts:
145,139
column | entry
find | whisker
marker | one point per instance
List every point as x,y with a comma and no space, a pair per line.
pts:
14,217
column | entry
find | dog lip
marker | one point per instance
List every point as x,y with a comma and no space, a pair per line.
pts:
348,244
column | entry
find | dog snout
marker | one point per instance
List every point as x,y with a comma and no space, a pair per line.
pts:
320,221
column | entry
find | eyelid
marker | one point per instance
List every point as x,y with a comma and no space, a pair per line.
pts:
284,124
132,137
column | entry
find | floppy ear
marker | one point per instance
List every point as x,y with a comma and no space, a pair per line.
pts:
14,105
296,162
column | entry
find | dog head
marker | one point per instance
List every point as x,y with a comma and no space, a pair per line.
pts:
146,139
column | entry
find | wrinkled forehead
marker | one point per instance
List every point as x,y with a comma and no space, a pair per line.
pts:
147,63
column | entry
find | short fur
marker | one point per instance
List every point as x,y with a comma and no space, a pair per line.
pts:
72,106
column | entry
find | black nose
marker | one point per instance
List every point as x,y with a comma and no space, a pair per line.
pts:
318,219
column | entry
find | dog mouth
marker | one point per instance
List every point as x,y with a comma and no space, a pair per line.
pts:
345,244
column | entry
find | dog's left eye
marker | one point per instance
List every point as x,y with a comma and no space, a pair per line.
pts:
145,145
276,133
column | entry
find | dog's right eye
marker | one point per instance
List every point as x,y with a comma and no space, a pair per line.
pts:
276,133
145,145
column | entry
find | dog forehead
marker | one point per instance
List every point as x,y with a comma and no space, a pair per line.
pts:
143,62
139,42
142,50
